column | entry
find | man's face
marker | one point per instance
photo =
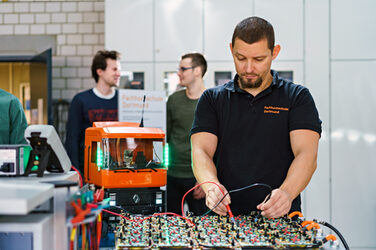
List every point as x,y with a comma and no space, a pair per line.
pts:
186,72
111,75
252,61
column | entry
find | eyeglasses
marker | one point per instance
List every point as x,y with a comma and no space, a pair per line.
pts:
182,69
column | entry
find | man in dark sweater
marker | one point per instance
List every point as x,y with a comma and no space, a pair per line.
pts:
97,104
180,110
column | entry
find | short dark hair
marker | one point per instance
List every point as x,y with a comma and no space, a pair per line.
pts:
99,61
254,29
198,60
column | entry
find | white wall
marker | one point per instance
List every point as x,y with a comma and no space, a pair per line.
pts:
328,44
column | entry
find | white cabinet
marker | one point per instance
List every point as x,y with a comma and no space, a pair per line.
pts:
219,24
295,67
166,77
221,69
146,68
129,29
178,28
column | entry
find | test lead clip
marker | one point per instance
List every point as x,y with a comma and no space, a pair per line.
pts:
230,213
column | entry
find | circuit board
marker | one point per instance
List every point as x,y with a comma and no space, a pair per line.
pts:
213,232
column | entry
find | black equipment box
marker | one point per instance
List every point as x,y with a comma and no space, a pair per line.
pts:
138,200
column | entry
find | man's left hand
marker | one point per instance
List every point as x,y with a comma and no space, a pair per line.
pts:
278,205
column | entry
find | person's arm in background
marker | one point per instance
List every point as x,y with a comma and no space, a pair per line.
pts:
304,144
74,128
203,146
18,122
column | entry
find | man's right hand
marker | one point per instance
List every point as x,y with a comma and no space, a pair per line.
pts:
214,195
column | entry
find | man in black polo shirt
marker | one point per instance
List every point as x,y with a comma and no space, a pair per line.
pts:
257,128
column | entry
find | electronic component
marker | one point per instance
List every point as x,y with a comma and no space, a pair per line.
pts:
48,152
13,159
252,231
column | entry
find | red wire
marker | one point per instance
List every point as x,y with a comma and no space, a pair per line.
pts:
182,201
99,229
79,174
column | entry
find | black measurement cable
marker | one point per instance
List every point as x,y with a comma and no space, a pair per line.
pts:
241,189
337,232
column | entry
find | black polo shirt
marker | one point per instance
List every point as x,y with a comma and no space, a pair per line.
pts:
253,135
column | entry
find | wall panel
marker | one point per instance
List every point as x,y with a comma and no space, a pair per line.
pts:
316,62
353,29
178,28
287,19
129,29
219,25
353,148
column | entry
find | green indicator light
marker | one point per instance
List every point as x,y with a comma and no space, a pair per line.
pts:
99,156
34,168
26,155
36,157
166,162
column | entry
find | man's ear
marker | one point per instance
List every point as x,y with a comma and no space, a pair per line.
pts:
231,47
276,50
99,72
197,71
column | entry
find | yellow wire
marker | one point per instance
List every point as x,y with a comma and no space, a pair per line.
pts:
73,234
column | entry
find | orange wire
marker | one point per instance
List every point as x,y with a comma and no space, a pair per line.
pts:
292,214
313,224
83,237
330,237
306,222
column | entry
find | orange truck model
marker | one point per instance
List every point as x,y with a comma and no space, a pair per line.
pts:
124,155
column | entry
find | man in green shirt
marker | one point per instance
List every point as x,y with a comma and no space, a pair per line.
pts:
180,112
12,119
